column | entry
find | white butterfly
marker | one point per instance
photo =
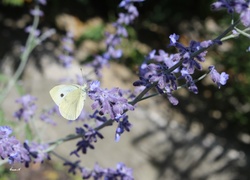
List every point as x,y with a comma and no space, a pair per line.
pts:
70,99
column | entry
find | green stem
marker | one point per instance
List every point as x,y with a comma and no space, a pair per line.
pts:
30,45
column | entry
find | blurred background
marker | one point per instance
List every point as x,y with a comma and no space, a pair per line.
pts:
206,136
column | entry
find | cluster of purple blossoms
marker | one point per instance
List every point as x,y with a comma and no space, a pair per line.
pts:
113,40
109,102
11,148
123,124
120,172
167,69
66,57
28,108
89,135
37,151
241,7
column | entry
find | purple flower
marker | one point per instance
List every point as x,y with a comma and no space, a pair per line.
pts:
124,172
191,63
98,64
206,44
46,116
123,124
245,16
173,39
99,119
38,151
159,73
68,42
35,32
222,4
72,166
43,2
114,53
27,109
11,148
66,57
121,172
240,6
36,12
90,135
109,102
219,79
66,60
124,3
189,81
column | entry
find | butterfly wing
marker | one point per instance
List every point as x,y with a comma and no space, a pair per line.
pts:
72,105
59,92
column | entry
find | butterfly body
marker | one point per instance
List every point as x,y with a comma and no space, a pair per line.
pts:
70,99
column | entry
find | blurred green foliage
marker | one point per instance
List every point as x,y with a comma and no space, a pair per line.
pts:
13,2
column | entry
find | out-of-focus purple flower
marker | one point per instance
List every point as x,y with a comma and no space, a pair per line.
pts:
27,109
39,151
120,30
124,3
66,57
114,53
124,172
36,12
123,124
219,79
98,172
223,4
245,16
43,2
121,172
11,148
206,44
239,6
66,60
112,40
73,166
109,101
46,116
90,135
68,42
98,63
35,32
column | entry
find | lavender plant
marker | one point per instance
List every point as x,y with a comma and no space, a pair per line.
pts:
160,70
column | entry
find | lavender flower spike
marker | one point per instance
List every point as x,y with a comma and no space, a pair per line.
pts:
27,109
107,101
11,148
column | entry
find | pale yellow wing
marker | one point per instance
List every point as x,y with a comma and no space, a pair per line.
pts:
72,105
57,93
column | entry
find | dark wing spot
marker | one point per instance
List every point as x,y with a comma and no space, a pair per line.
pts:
62,95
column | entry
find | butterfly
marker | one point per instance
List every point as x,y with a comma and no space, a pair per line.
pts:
70,99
